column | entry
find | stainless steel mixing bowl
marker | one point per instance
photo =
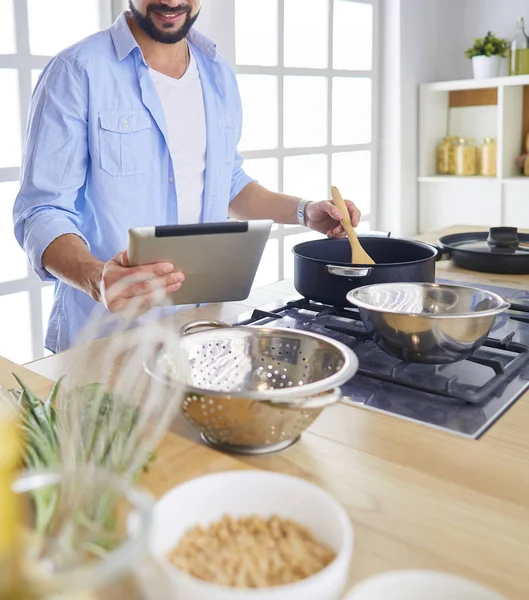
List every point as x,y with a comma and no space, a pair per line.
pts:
427,322
250,389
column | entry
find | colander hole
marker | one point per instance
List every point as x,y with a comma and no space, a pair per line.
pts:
300,383
269,375
290,384
274,380
276,372
194,398
283,376
281,385
211,401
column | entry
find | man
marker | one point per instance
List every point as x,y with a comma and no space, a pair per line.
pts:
136,125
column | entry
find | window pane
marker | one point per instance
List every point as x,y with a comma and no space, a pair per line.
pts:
351,173
15,325
268,271
305,109
290,242
7,27
256,32
353,35
260,105
306,33
351,105
47,294
306,176
35,74
10,124
48,31
16,267
363,227
265,171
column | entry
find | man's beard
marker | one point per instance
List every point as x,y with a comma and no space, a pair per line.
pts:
164,37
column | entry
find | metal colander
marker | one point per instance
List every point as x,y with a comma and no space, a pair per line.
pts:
252,389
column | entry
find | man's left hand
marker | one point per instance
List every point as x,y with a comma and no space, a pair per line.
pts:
325,217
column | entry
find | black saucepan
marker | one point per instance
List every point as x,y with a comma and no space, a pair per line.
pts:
500,250
323,273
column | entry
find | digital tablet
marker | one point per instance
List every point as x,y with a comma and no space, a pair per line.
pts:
219,260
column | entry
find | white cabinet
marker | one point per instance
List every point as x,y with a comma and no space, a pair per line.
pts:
496,108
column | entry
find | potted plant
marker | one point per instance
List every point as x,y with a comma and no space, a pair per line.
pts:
486,54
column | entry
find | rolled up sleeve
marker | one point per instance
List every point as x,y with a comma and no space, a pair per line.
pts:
54,164
239,178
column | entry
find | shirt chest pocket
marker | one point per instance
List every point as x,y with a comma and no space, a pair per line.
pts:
125,143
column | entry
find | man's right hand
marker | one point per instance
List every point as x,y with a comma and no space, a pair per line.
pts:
143,287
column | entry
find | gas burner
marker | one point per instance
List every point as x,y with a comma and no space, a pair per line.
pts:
464,398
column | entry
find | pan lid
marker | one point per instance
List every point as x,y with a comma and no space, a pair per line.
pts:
503,241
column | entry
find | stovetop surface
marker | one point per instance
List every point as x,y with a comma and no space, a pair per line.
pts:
465,398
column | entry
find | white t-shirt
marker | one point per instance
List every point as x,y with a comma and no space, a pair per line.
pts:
185,116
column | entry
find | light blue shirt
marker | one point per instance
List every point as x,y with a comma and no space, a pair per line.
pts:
97,162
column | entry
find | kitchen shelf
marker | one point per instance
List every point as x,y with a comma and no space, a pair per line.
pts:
476,84
477,179
457,179
477,109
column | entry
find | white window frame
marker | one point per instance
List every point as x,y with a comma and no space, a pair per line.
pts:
23,62
329,72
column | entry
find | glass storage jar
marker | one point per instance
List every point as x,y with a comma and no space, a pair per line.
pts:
96,547
446,156
466,157
488,158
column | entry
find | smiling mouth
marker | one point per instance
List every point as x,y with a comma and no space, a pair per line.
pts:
169,17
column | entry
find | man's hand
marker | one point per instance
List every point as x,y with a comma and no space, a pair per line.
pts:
325,217
143,287
114,283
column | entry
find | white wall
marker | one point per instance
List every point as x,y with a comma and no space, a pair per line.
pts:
410,33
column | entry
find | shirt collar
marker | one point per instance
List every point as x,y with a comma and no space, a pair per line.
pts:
125,42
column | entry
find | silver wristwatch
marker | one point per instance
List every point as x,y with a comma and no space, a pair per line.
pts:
301,212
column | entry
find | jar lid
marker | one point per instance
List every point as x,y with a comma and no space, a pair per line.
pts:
489,140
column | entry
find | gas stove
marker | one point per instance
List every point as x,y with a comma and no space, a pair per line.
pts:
463,398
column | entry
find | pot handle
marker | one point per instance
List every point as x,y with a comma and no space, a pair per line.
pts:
349,271
194,326
382,234
443,253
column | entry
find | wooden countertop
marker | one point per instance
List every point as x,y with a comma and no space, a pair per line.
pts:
418,498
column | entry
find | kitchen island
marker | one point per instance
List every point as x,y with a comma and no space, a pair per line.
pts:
418,497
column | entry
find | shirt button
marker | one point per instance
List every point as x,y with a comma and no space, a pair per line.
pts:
126,124
171,180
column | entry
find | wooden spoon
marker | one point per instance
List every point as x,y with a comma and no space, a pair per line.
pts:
359,256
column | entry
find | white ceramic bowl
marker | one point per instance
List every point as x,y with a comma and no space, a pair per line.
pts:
420,585
243,493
